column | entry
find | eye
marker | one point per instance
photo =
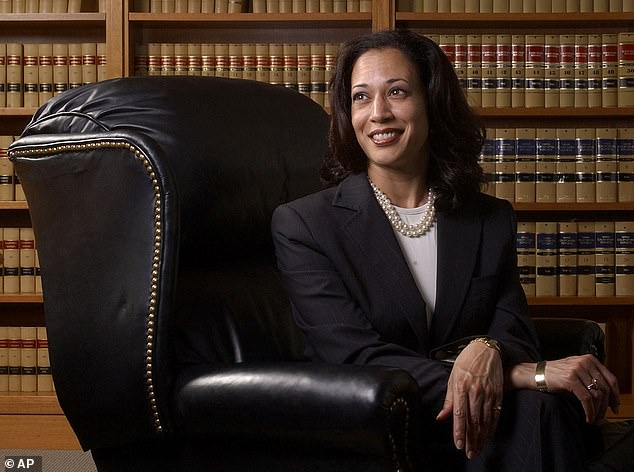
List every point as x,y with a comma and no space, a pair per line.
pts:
397,92
359,96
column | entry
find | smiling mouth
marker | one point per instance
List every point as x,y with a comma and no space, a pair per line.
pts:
384,137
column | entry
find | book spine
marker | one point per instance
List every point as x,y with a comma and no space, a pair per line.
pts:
566,152
45,72
551,71
168,60
15,360
6,170
60,68
30,76
624,258
154,59
518,70
605,259
88,63
27,260
290,65
207,60
3,74
303,68
567,259
332,50
248,61
14,75
11,245
44,377
546,259
487,162
525,166
585,165
38,273
526,262
221,55
28,359
505,153
626,70
489,70
74,66
181,59
609,70
460,63
546,165
581,71
625,145
504,67
567,71
276,56
262,63
194,59
586,286
594,71
4,359
318,83
474,70
607,165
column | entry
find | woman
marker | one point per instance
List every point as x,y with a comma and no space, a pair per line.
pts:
402,259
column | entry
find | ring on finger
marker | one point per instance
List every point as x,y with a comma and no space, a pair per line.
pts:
497,409
592,385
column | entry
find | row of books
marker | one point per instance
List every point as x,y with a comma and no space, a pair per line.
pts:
50,6
305,67
30,74
515,6
20,268
252,6
564,165
10,186
583,259
543,70
24,360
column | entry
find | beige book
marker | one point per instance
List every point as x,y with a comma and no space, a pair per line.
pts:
194,59
3,75
594,70
156,6
501,6
325,6
472,6
60,68
503,71
236,6
558,6
262,63
338,6
312,6
38,273
581,71
221,57
607,165
526,256
28,359
551,71
102,62
14,68
365,6
45,72
303,68
600,6
534,71
626,70
181,59
487,162
460,59
14,355
6,170
249,67
474,70
624,258
518,71
74,6
615,6
276,55
207,6
525,166
543,6
208,60
30,76
75,69
626,164
169,6
586,247
566,167
222,6
299,6
505,156
140,6
567,259
4,359
88,63
628,6
605,259
181,6
11,245
585,165
44,377
60,6
5,6
32,6
444,6
488,70
18,6
168,61
546,259
567,71
609,70
17,185
290,65
529,6
154,59
273,6
331,55
45,6
318,83
516,6
353,6
259,6
457,6
546,165
430,6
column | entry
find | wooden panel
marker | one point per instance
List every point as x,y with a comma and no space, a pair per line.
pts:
36,432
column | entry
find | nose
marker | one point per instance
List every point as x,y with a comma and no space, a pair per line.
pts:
380,109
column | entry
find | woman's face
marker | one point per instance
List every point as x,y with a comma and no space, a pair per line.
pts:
389,111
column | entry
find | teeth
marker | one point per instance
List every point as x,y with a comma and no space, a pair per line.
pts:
383,136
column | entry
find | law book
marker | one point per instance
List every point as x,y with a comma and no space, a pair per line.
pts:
318,83
594,70
543,6
505,155
44,377
607,165
516,6
625,143
194,59
444,6
489,60
32,6
45,72
273,6
331,57
208,60
168,60
624,258
518,70
338,6
474,70
140,6
156,6
326,6
259,6
5,6
558,6
586,6
276,56
456,6
3,75
460,62
567,70
236,6
4,359
487,162
27,260
526,262
601,6
88,63
11,247
221,56
60,68
18,6
566,154
154,59
75,78
181,59
303,68
45,6
30,76
74,6
17,188
546,259
262,63
6,170
312,6
38,273
290,65
546,165
626,70
430,6
14,351
609,70
615,6
248,61
180,6
585,165
28,359
14,71
525,165
529,6
581,71
567,259
503,71
169,6
352,6
605,258
551,71
586,246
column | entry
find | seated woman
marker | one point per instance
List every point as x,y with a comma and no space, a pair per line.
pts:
402,259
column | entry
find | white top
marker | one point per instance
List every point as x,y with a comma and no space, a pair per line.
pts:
421,256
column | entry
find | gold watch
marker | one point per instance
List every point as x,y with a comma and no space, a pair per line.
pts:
489,342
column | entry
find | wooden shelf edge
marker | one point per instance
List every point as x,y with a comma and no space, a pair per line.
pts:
21,298
29,403
564,17
618,206
598,112
52,17
17,111
596,301
249,17
13,205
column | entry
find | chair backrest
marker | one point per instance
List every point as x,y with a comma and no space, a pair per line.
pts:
151,199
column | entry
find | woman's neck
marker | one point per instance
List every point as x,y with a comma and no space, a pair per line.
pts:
404,191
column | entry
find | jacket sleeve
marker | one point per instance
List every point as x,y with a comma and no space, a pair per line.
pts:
334,325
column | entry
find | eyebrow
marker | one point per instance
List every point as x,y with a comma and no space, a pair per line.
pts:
389,81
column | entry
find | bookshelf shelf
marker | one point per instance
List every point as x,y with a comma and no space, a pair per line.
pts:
64,18
595,301
29,403
556,112
13,205
20,298
16,112
585,207
525,19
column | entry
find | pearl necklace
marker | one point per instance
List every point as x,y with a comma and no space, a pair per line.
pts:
411,231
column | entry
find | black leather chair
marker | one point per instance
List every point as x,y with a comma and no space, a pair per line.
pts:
171,341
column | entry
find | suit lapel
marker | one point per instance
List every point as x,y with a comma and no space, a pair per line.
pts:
458,242
372,234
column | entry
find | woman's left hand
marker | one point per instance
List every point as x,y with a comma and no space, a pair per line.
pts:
474,397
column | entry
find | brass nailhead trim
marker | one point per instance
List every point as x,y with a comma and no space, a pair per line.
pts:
158,240
400,402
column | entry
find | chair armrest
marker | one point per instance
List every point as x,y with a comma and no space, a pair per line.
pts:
563,337
362,409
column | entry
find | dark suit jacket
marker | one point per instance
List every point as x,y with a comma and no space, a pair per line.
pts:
355,299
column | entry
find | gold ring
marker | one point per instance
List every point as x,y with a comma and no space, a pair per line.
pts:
593,385
497,408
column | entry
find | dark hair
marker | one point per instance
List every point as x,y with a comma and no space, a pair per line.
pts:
456,135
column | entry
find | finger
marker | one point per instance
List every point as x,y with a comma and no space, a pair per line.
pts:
612,384
459,420
475,423
581,391
447,407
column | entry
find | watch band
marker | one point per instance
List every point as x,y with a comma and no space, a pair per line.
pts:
540,376
489,342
